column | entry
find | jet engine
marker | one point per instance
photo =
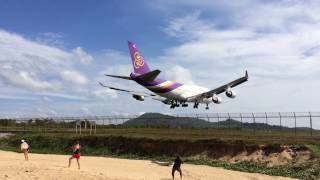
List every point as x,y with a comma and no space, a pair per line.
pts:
138,97
230,93
216,99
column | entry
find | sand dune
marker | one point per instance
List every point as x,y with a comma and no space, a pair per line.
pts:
54,167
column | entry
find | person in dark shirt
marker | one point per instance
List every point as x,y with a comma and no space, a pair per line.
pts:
76,153
177,166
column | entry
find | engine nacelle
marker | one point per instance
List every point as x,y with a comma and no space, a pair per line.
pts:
138,97
216,99
230,93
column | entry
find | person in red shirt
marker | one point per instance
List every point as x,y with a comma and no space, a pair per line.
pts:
76,153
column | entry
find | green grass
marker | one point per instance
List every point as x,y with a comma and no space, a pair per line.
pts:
315,148
304,172
274,136
137,148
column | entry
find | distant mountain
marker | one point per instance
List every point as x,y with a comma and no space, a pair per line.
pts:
161,120
157,119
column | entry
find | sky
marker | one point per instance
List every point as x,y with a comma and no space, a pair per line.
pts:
53,53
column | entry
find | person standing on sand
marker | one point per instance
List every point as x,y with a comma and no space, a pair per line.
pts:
177,166
25,149
76,154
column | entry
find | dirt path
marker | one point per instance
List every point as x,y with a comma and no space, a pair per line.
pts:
42,166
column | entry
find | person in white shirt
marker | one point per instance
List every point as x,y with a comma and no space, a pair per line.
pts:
25,149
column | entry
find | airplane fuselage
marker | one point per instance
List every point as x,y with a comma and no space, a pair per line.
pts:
174,90
185,92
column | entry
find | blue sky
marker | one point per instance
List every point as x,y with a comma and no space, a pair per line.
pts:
93,26
52,53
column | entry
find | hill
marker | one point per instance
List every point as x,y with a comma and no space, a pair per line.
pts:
161,120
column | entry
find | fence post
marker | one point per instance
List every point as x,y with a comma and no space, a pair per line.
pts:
280,122
266,120
208,124
241,121
229,124
90,123
310,124
295,125
218,120
254,124
95,128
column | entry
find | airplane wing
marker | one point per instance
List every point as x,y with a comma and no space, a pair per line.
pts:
223,88
128,91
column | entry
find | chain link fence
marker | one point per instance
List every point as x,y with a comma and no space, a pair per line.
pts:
272,124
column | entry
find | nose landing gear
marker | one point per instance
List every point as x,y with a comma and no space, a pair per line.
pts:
195,106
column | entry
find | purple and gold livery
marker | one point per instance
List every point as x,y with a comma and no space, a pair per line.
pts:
140,67
170,92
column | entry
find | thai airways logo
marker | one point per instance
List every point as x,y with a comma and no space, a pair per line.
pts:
138,60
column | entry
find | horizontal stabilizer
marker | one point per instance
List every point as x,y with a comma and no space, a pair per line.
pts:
150,76
121,77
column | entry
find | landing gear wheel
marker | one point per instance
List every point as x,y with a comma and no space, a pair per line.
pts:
195,106
184,105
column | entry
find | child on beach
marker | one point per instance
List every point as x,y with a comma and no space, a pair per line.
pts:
76,154
25,149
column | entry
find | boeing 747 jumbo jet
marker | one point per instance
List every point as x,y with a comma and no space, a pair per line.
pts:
169,92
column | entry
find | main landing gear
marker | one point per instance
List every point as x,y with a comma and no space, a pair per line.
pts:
184,105
196,105
177,104
174,105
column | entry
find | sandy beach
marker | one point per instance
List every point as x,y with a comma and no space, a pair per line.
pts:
54,167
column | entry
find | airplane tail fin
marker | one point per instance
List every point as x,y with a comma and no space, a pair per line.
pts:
150,76
140,66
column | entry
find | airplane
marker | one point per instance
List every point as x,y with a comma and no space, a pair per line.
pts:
170,92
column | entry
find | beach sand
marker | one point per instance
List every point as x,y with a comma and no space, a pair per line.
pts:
47,166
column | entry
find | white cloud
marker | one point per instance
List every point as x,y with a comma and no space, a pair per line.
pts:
106,94
45,112
83,57
27,64
278,43
33,67
179,74
74,77
64,96
14,97
51,39
25,80
265,53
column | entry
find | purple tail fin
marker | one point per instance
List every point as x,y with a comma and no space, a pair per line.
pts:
138,62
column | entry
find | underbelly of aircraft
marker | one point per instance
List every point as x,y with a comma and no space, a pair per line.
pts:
183,93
